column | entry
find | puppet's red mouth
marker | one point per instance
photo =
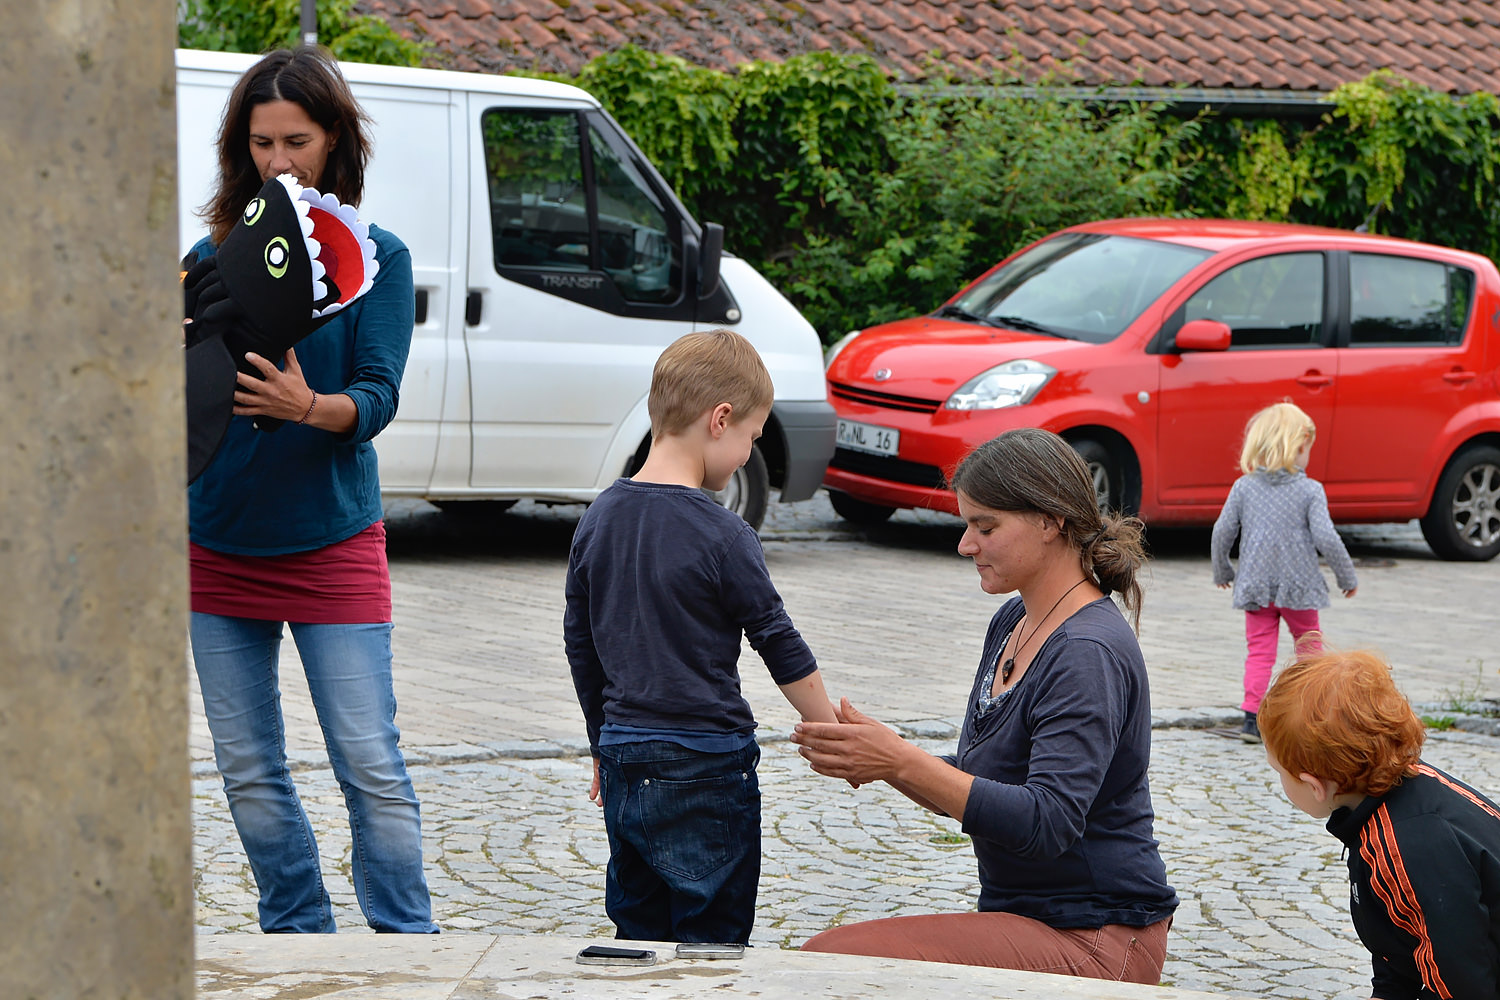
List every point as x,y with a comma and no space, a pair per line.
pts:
339,245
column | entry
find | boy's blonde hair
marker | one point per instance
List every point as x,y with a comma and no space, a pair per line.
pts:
1274,436
701,370
1339,717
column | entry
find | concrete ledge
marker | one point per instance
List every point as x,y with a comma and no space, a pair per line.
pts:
475,966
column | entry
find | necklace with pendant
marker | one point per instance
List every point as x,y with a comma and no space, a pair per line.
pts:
1009,666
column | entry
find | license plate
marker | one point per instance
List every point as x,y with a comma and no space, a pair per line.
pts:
868,438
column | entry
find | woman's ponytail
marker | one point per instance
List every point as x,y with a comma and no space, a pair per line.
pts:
1115,554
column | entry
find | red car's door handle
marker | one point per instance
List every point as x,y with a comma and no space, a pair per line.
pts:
1314,380
1460,377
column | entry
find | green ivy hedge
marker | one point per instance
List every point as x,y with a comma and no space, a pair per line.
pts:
864,204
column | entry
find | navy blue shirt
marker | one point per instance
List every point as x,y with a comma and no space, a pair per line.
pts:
301,488
1060,810
662,584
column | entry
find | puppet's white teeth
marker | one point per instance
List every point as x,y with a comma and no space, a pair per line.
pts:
348,216
319,271
319,290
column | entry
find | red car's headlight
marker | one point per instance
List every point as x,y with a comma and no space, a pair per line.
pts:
1010,384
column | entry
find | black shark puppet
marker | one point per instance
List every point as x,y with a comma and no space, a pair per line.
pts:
295,258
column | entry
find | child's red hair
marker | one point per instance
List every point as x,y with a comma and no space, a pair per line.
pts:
1339,716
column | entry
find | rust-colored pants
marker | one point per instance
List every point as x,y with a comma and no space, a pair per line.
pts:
1007,941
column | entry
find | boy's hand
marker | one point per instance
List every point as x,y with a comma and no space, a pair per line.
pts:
1223,586
1350,592
594,795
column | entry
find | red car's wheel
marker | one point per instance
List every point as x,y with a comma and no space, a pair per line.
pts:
1463,522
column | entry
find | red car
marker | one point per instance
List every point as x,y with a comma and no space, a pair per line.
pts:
1148,343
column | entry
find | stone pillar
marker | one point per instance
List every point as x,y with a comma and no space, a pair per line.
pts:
96,891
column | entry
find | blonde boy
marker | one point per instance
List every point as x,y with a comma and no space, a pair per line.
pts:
1423,847
662,584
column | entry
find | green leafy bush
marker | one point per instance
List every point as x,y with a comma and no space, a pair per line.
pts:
863,205
971,179
261,25
1400,158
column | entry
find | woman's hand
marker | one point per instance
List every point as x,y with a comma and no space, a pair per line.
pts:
281,394
594,795
856,748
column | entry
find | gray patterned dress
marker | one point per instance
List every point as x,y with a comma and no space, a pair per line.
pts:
1281,519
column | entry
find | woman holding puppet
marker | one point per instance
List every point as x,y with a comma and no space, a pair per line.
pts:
284,508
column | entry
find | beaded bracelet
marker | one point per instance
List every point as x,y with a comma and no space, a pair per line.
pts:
310,406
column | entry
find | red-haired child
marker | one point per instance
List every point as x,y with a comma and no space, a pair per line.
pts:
1423,847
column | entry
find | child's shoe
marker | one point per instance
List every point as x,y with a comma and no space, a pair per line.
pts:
1250,732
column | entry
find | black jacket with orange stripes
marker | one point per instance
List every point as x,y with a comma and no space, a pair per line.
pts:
1424,887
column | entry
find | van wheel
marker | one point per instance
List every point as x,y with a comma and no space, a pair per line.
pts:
748,493
1104,470
858,511
1463,521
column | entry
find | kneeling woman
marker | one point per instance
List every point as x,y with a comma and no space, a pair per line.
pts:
1050,775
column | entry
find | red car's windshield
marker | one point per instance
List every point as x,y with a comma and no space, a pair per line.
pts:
1078,286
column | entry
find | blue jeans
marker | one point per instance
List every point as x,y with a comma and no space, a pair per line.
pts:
684,841
349,676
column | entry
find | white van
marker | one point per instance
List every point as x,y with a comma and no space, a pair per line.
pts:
552,265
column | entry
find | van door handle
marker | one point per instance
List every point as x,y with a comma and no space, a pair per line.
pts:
421,314
1459,377
473,308
1314,380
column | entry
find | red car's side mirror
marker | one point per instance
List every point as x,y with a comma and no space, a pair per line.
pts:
1203,335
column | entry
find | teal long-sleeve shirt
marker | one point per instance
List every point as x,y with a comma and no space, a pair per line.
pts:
301,488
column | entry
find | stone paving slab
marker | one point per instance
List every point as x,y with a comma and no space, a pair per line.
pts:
471,967
514,847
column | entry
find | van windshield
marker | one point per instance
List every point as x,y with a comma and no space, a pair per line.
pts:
1077,286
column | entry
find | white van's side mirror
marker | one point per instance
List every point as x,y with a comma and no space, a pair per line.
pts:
709,253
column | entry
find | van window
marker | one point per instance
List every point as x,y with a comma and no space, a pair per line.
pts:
1405,300
1274,301
544,217
538,202
637,247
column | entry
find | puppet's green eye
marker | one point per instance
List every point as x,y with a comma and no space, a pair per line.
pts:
277,256
254,210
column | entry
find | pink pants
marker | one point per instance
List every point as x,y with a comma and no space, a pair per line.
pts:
1262,631
1007,941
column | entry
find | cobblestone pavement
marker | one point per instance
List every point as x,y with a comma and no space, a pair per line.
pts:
513,845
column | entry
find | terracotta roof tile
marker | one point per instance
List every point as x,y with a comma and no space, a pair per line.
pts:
1253,27
1319,28
1218,26
1309,45
1449,34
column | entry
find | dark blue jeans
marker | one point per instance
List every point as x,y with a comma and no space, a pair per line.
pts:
684,841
